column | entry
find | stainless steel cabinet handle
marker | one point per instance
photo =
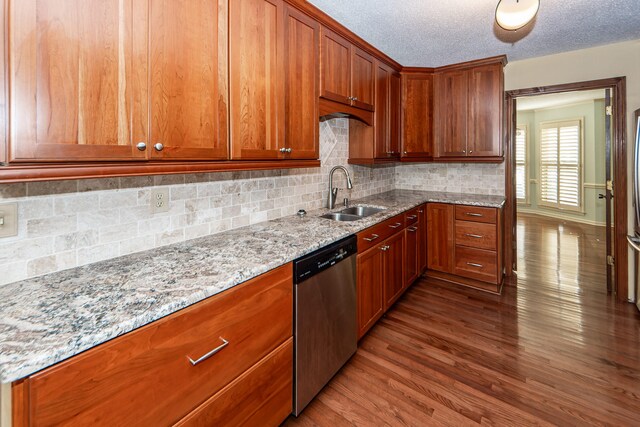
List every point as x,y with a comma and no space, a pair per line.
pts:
211,353
350,98
355,98
473,214
412,229
372,238
470,151
396,225
158,146
412,217
464,151
141,146
289,150
473,264
421,211
385,248
283,150
475,236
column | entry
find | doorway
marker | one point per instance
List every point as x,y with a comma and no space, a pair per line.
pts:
564,178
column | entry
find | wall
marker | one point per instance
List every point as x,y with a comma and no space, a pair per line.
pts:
70,223
454,177
614,60
592,113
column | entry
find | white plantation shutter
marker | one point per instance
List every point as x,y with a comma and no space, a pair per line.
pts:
560,164
521,164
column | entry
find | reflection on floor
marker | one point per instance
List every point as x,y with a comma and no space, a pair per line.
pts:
554,349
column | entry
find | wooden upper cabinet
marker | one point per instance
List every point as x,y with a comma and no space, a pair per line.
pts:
451,95
256,51
417,116
363,79
486,87
78,72
382,130
188,80
335,69
394,114
302,72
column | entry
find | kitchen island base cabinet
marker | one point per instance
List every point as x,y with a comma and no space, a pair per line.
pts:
158,374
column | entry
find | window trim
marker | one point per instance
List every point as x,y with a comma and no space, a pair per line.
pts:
527,167
557,206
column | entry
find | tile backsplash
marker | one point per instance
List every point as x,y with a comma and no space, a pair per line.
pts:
474,178
65,224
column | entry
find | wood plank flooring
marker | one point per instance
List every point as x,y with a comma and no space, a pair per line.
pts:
553,349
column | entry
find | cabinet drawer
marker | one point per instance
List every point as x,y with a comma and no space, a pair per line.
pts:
477,264
376,234
262,396
476,235
146,378
475,213
412,216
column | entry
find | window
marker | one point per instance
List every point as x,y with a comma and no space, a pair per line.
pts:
561,165
522,164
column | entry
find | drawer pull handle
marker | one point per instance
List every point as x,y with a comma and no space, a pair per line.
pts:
475,236
372,238
211,353
396,225
412,228
421,211
385,248
473,264
473,214
412,217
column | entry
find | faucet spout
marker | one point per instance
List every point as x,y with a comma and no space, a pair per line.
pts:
333,192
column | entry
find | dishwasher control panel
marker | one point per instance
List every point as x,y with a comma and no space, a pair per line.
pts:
318,261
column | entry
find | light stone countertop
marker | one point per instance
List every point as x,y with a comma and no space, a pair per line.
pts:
47,319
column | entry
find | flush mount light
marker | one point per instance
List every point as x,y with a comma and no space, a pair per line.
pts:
512,15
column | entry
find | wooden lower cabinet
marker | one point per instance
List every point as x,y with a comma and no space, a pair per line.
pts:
440,244
146,377
370,279
394,276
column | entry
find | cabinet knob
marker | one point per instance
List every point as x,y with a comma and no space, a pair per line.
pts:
406,152
355,98
289,150
158,146
470,151
141,146
464,151
283,150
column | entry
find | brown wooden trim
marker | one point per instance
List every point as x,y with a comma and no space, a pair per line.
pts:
343,31
500,59
370,162
20,403
463,281
331,110
417,70
468,159
408,159
30,173
618,84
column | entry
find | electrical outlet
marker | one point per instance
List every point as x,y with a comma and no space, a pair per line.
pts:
160,200
8,219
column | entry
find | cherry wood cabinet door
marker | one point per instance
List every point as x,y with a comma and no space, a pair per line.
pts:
394,114
451,97
78,72
413,234
335,67
363,77
369,288
417,115
423,239
382,129
256,53
302,40
484,129
188,80
394,276
440,229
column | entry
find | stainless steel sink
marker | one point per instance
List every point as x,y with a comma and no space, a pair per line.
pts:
362,211
352,214
337,216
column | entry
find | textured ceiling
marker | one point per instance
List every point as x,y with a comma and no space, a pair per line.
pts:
432,33
558,99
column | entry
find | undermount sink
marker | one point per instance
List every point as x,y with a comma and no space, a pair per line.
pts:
352,214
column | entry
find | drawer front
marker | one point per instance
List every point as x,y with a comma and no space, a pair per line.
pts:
477,264
477,214
476,235
146,378
262,396
413,216
379,232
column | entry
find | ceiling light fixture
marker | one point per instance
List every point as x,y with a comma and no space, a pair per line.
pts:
512,15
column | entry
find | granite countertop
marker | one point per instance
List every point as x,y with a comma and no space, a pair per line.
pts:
50,318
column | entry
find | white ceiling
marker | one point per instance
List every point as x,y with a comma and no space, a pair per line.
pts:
432,33
557,99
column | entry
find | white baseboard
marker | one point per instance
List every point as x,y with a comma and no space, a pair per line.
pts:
559,216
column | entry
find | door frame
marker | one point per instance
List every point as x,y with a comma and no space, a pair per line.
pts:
619,148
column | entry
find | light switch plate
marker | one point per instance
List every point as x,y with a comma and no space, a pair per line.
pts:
8,219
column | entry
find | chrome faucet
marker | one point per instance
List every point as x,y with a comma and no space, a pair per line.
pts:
333,192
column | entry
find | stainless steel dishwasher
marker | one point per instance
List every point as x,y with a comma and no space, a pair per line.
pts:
325,328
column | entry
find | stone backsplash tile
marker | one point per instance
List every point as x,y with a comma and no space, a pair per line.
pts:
468,178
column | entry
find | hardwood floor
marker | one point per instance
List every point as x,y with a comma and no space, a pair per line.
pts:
553,349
